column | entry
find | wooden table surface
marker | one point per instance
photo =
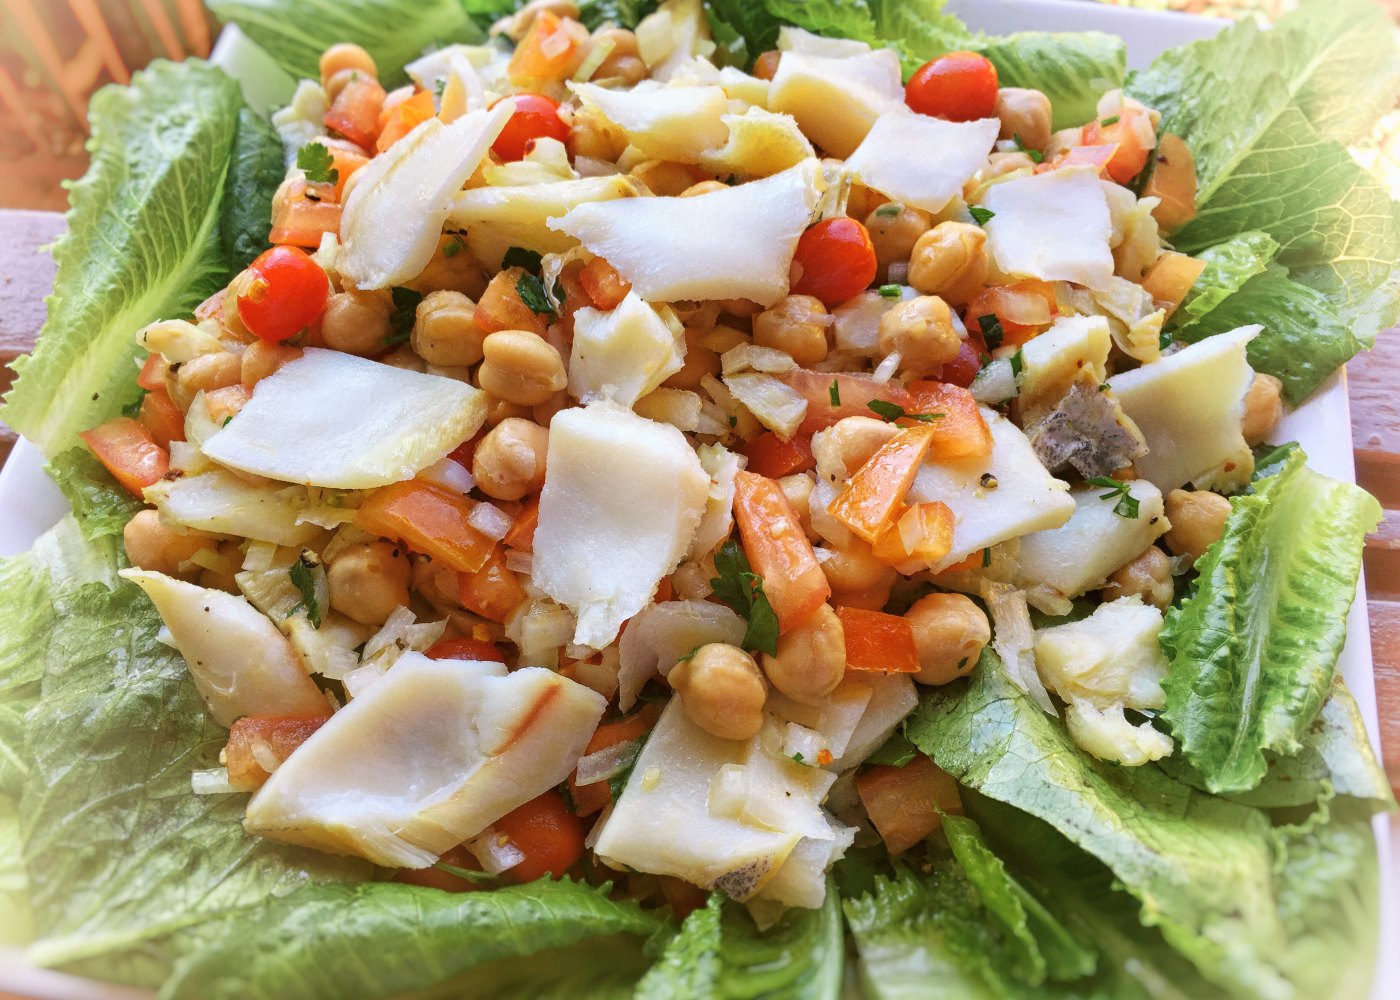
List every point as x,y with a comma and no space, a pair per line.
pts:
26,275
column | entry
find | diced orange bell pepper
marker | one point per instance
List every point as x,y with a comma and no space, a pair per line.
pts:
923,532
771,456
1173,179
464,649
551,50
1170,278
961,432
430,519
278,735
129,453
152,375
355,111
903,802
877,641
778,550
876,491
521,535
595,795
602,284
403,118
162,417
492,591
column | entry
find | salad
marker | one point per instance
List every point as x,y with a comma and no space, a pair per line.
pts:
703,499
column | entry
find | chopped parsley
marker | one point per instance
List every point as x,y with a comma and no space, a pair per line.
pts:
454,246
531,291
1127,504
1018,362
981,215
742,589
893,411
305,580
1110,120
316,162
619,780
888,211
835,392
405,312
986,558
891,291
798,757
1164,340
520,257
1036,155
992,333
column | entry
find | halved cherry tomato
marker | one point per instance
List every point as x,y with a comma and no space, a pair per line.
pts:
355,111
285,292
879,642
778,550
1124,131
602,284
464,649
129,453
959,86
771,456
162,417
550,837
835,261
876,492
492,591
535,117
278,735
430,519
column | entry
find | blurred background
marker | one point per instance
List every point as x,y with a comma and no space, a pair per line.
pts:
55,53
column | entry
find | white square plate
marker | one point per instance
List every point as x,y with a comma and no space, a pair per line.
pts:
29,503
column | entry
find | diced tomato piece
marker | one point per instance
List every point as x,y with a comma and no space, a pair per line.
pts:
1128,133
593,796
345,162
604,286
464,649
547,833
876,491
853,394
778,550
301,221
964,368
1023,309
962,431
521,535
129,453
355,111
277,736
162,417
958,86
535,117
492,591
223,404
923,532
879,642
403,118
904,802
835,261
501,307
771,456
152,375
551,50
1097,157
430,519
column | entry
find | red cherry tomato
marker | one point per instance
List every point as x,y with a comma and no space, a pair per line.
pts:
464,649
835,260
550,837
536,117
286,294
959,86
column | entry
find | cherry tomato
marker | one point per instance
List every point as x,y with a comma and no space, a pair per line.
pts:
550,837
536,117
959,86
835,260
464,649
964,368
286,292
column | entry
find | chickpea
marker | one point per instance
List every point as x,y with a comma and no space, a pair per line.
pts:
721,691
498,411
798,490
346,56
261,359
853,571
357,322
405,358
1001,164
452,268
1263,408
811,658
921,330
1197,519
445,331
765,67
846,445
662,177
699,362
204,374
796,325
949,633
1147,575
521,368
894,230
950,261
368,581
704,187
627,69
593,136
1025,116
624,42
509,461
151,544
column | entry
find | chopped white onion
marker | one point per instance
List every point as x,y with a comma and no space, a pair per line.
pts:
520,562
211,782
759,359
1014,640
802,744
607,762
885,370
359,680
776,405
264,755
401,632
260,556
494,851
490,520
446,472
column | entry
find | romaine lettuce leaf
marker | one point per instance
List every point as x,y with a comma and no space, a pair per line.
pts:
142,243
605,968
257,169
100,505
595,13
387,939
1254,646
1228,266
295,32
720,955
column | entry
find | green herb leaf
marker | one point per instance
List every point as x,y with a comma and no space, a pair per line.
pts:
405,314
992,332
454,246
530,260
531,291
742,589
893,411
1036,155
891,291
619,780
888,211
834,391
315,160
981,215
304,576
1110,120
1127,505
